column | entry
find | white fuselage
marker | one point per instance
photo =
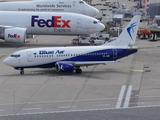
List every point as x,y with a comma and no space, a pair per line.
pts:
44,56
41,56
75,6
50,23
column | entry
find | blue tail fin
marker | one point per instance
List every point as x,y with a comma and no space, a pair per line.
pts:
128,35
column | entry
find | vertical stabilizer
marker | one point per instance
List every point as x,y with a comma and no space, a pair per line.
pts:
128,35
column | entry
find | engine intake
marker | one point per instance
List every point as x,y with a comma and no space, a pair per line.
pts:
64,67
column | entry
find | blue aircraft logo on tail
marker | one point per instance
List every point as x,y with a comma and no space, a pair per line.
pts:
131,28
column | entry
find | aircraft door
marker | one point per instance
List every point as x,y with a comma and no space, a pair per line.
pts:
74,6
74,3
79,26
114,53
29,56
79,23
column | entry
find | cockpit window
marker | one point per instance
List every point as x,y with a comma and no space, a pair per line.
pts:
16,56
81,2
95,22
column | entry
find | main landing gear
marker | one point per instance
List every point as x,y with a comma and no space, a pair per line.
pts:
78,71
22,72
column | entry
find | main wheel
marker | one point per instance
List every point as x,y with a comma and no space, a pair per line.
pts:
78,71
22,72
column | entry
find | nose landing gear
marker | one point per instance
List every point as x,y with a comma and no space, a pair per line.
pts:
21,70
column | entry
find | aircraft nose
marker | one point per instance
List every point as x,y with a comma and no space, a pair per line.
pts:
101,27
7,61
96,11
92,11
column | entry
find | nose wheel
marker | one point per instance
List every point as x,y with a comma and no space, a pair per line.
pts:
22,72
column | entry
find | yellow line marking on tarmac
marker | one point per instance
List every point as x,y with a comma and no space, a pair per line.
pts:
31,74
125,71
9,74
138,70
12,98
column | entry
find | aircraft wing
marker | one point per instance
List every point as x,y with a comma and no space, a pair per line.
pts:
91,63
4,26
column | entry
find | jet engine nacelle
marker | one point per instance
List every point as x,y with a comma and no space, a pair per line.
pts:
14,35
64,67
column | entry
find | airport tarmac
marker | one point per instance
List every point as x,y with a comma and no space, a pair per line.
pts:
130,82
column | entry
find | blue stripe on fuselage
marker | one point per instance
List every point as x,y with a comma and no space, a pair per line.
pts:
101,55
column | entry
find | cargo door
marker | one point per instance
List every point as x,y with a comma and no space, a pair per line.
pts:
73,6
79,23
79,29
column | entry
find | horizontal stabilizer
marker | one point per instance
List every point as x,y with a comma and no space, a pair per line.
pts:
137,48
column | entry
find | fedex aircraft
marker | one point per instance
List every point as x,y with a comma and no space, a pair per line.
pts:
75,6
15,26
68,59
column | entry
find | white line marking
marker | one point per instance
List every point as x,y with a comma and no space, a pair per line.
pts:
31,108
67,107
102,105
126,103
120,97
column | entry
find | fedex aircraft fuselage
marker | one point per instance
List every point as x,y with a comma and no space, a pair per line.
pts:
51,23
42,23
75,6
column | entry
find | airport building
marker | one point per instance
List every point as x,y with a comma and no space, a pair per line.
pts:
154,9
